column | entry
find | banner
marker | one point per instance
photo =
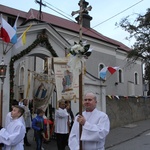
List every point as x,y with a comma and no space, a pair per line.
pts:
66,88
43,88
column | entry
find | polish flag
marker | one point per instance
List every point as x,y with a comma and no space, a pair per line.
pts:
112,69
103,72
7,31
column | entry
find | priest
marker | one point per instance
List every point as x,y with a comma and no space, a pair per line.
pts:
95,126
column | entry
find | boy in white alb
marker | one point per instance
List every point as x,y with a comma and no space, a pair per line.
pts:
12,136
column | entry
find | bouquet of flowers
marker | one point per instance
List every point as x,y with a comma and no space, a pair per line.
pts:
80,49
79,53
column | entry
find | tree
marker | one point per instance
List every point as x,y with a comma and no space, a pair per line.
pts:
140,30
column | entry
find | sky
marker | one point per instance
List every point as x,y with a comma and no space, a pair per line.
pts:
102,11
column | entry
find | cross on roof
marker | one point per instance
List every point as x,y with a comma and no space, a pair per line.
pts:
83,9
40,11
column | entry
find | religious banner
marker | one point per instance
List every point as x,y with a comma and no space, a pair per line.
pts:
43,88
67,87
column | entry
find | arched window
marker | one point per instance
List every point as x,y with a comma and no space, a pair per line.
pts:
136,78
120,76
100,67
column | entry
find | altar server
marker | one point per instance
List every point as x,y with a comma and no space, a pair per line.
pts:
12,136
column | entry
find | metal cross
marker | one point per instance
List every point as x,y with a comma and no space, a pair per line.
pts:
40,11
80,12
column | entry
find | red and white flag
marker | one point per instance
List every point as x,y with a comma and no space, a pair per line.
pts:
103,72
7,31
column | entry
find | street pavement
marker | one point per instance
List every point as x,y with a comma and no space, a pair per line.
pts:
120,135
117,136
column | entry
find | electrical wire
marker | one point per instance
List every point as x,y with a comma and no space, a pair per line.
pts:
58,9
117,14
62,13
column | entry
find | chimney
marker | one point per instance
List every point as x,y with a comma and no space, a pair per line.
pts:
86,18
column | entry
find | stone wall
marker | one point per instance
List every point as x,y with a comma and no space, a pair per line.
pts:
126,110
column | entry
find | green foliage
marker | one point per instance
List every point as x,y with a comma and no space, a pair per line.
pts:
140,30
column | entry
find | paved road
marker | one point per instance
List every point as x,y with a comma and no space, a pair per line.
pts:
49,146
140,142
135,136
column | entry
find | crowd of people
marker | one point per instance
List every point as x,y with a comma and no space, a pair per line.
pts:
95,126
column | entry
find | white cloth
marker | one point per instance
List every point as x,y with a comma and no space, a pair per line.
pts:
27,117
61,121
9,119
12,136
94,131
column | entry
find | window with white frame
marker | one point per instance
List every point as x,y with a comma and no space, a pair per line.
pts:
136,78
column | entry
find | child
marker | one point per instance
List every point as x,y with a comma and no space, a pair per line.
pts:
39,128
12,136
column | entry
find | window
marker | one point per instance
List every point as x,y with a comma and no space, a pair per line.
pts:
120,76
101,66
136,78
11,21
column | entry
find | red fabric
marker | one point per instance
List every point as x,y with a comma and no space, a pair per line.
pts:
111,70
48,121
4,35
7,31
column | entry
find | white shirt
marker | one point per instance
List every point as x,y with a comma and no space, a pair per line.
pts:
61,121
94,131
12,136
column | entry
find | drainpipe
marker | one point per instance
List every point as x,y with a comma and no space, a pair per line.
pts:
103,96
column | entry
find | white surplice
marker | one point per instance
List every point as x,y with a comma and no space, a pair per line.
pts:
61,121
8,119
94,131
12,136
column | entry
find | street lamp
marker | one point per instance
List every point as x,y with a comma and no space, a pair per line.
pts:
3,68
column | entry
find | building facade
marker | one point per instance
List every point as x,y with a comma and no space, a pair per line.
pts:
61,34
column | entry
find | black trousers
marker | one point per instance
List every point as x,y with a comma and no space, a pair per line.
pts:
25,138
62,141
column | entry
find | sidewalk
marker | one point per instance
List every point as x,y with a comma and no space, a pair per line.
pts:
115,137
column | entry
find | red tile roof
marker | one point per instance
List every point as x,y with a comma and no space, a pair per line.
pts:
62,23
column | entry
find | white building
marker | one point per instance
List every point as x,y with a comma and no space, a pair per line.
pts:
61,33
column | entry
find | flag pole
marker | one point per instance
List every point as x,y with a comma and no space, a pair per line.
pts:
81,77
81,74
6,51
